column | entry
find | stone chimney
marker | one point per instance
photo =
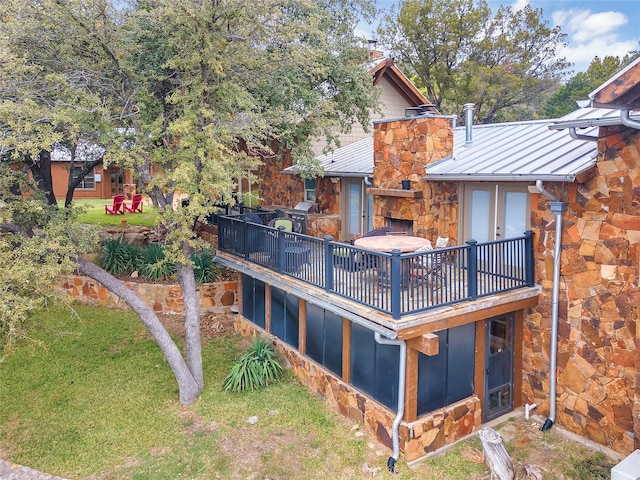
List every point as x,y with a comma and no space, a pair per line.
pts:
402,148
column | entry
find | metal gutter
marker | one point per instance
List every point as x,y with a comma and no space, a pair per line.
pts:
473,177
625,117
578,136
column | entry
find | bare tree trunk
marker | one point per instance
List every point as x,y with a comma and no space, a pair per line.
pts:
187,384
192,317
496,455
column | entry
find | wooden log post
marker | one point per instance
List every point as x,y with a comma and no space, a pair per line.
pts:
495,455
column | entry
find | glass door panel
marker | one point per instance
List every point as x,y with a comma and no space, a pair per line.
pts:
353,208
498,398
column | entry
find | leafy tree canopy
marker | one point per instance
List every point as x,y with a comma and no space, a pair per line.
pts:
458,52
186,93
578,87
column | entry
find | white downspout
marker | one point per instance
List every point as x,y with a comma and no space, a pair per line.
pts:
402,374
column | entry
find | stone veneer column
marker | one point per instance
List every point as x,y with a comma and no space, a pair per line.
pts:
402,149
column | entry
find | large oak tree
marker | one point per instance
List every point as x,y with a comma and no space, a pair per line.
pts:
187,94
457,51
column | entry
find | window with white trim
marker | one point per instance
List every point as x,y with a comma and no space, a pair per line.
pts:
89,180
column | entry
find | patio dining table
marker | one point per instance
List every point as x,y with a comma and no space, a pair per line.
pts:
389,243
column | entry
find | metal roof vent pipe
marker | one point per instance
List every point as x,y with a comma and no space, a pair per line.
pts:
468,109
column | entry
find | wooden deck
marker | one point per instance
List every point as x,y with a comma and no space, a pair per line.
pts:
350,283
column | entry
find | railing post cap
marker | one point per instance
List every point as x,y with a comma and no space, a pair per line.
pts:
328,238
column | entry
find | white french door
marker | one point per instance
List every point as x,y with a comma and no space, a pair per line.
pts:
494,211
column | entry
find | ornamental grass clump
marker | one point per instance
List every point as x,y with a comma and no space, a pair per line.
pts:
123,259
156,266
120,257
256,368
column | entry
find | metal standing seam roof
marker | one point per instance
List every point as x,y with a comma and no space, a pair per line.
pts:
509,152
518,151
353,160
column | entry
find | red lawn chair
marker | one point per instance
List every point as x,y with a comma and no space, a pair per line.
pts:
117,207
136,204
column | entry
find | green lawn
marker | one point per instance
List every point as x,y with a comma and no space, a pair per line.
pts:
96,215
96,399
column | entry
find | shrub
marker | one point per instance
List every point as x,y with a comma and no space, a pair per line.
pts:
204,268
156,266
120,258
257,367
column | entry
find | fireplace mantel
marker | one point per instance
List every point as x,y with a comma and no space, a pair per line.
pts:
395,192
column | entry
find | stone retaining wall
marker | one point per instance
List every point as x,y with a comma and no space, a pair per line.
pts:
163,298
417,439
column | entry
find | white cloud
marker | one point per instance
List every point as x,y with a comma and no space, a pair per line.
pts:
582,25
591,34
519,4
581,54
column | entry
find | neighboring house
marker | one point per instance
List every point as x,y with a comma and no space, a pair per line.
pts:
341,196
564,341
99,183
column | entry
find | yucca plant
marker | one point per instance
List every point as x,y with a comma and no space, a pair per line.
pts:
204,268
156,266
120,257
256,368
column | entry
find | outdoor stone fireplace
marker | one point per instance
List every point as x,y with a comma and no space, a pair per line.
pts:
402,149
400,225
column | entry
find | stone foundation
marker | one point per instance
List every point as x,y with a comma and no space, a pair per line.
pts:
163,298
417,439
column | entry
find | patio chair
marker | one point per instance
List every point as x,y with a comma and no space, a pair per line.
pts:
136,204
283,222
429,267
117,207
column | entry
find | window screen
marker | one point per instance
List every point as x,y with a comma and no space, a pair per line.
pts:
445,378
253,300
284,316
324,338
374,367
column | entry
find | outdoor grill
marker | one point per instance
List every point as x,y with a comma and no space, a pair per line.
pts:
300,213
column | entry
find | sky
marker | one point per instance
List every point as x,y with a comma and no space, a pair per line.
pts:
594,27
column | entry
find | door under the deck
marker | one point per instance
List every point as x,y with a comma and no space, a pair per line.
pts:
499,359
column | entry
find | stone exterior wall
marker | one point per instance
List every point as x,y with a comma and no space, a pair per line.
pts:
402,149
417,439
163,298
274,188
328,196
598,387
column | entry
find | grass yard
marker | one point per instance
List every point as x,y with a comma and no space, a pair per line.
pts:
95,214
96,400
